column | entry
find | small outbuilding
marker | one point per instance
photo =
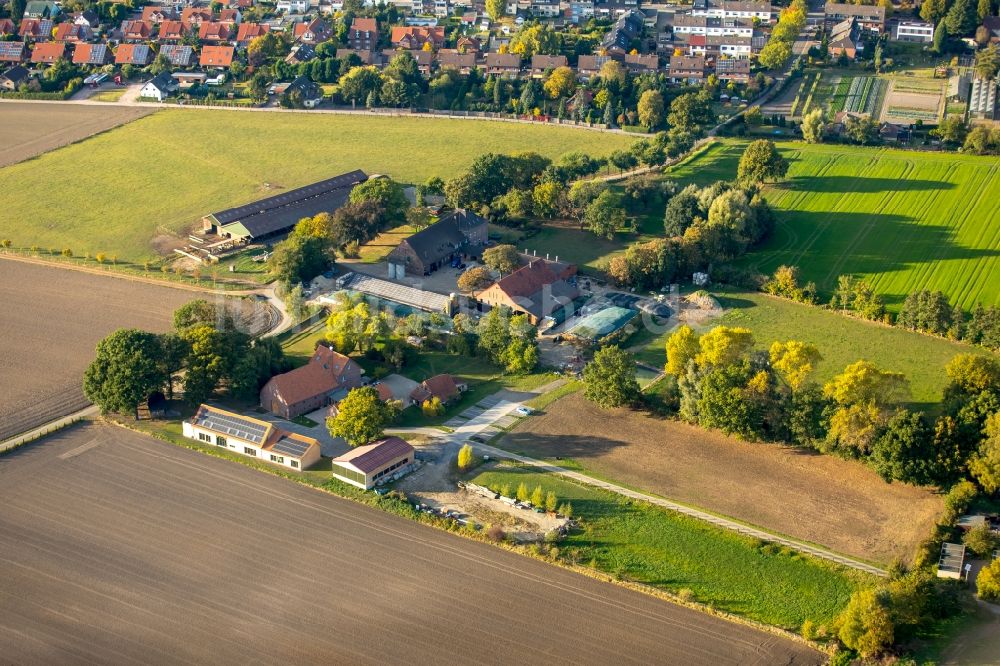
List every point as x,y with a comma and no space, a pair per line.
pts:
951,561
368,466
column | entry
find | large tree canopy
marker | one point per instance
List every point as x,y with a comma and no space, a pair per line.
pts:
126,370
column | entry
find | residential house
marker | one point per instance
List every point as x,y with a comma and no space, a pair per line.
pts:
363,35
504,65
463,62
250,31
442,387
252,437
580,11
159,87
538,289
414,37
590,65
41,9
13,52
704,25
626,30
294,6
301,53
540,64
13,77
47,53
845,39
466,44
614,8
136,31
869,17
39,30
231,16
376,58
369,465
638,63
220,57
325,379
733,69
134,54
193,17
96,55
178,55
914,31
71,32
687,69
735,9
157,14
545,8
214,32
992,25
435,246
7,27
310,93
87,17
424,59
314,32
171,32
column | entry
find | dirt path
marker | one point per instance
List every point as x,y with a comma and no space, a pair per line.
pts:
806,496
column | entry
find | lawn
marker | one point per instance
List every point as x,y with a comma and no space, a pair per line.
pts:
841,340
159,175
647,544
902,220
112,95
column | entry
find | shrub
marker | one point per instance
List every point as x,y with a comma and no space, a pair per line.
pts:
566,510
685,594
505,490
551,502
958,500
981,540
538,497
100,257
6,242
465,457
67,252
988,581
522,493
496,533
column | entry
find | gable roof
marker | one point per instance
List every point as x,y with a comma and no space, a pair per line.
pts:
436,241
455,59
535,287
248,31
442,387
48,52
214,31
506,60
6,26
363,24
156,13
12,51
543,62
137,29
133,54
91,54
283,210
177,54
267,436
162,82
37,28
372,457
465,219
217,56
321,375
72,32
15,74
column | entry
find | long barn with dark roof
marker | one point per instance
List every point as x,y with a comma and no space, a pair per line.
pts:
278,214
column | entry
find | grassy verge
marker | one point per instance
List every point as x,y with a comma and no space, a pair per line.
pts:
646,544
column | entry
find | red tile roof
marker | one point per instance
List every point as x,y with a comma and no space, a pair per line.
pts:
137,29
217,56
415,36
365,25
6,27
248,31
91,54
171,30
442,387
322,374
213,31
70,32
48,52
373,457
133,54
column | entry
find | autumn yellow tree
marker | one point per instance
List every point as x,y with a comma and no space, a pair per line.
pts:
561,83
682,346
794,361
724,345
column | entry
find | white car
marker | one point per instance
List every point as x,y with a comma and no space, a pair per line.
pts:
523,411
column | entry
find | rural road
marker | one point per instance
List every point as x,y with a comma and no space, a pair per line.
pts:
121,548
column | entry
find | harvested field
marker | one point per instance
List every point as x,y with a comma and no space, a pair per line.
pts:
120,548
20,138
906,103
52,320
836,503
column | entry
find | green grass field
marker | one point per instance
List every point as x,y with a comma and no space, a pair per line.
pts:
647,544
902,220
115,192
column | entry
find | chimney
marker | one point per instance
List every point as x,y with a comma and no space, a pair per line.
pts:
557,257
546,256
536,253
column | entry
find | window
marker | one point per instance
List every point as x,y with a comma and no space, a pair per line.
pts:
249,451
295,464
220,440
277,459
204,437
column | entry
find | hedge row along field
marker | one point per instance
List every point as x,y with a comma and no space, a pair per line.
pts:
159,175
903,220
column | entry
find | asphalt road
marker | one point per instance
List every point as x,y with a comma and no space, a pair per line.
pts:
117,548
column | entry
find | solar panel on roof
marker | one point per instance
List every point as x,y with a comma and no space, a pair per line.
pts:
233,425
291,447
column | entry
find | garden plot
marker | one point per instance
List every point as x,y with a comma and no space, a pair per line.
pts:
907,102
865,95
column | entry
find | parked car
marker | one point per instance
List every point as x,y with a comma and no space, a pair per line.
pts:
523,411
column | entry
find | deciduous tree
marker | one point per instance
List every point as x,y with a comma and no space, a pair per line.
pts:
761,162
125,371
361,417
609,379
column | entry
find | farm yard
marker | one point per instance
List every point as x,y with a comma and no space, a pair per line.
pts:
902,220
53,319
171,168
64,124
836,503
